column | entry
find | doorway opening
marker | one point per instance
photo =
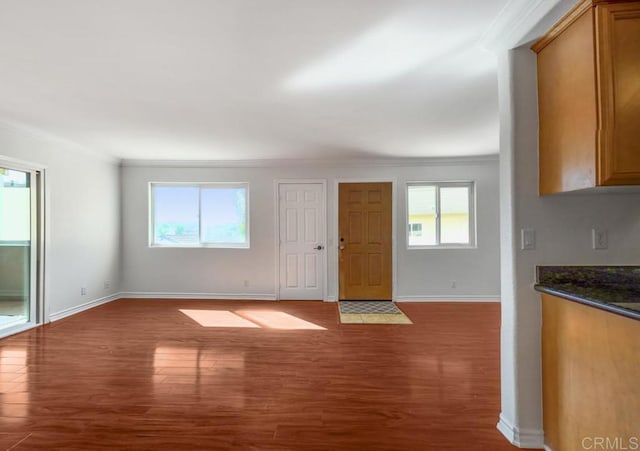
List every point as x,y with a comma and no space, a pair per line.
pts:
21,240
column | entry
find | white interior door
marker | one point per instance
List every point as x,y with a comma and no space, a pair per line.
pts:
302,246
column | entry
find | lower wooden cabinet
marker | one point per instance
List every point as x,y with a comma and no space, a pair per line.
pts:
590,376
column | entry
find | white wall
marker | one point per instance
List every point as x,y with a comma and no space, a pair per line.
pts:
83,217
420,273
563,224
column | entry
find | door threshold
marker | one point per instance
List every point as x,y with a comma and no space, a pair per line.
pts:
12,330
366,300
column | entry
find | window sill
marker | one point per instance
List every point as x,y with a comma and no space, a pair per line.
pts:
199,246
443,247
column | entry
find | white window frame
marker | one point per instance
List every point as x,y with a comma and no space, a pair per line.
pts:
200,186
471,185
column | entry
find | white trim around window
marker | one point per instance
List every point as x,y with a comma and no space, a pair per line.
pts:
195,215
440,209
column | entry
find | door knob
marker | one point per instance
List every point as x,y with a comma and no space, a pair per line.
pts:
341,247
319,247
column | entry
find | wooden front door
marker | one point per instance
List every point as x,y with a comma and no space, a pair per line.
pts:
365,241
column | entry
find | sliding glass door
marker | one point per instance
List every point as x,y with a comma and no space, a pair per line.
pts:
18,247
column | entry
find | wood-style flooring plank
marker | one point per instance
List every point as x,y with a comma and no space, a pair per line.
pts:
141,374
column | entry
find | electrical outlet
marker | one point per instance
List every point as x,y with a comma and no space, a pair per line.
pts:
107,284
246,283
453,284
83,291
599,238
528,239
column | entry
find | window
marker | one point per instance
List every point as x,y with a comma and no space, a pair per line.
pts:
199,215
441,214
15,206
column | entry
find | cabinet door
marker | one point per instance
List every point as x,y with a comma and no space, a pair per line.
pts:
567,108
618,64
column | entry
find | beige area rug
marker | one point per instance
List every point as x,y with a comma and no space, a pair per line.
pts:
371,312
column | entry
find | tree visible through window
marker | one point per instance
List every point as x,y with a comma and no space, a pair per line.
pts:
440,214
415,229
199,215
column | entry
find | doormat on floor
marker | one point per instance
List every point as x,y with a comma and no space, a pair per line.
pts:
371,312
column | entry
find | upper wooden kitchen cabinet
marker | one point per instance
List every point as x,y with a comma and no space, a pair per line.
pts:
589,98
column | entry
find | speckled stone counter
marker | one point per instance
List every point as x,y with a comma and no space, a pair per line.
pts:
612,288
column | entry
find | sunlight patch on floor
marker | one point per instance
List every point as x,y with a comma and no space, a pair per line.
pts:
278,320
252,319
218,318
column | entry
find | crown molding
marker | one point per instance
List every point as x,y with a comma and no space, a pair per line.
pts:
516,20
286,163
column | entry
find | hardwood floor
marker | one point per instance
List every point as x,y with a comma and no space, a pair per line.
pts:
141,374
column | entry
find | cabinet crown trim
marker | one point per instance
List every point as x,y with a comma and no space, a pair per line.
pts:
574,14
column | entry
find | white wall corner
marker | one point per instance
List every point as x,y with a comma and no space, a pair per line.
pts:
522,438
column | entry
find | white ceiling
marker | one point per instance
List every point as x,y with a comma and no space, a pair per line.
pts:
253,79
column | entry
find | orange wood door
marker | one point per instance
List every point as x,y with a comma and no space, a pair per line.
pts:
365,241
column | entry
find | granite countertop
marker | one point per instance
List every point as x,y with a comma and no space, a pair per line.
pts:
612,288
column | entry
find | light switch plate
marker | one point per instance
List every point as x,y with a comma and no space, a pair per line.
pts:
600,238
528,239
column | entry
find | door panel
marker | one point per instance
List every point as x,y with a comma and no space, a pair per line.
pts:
311,271
365,262
375,270
292,271
310,223
301,210
374,228
354,228
354,269
291,225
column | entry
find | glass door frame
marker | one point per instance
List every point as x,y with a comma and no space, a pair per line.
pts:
37,313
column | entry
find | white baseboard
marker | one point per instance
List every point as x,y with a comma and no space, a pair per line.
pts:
242,296
449,298
547,448
165,295
82,307
522,438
